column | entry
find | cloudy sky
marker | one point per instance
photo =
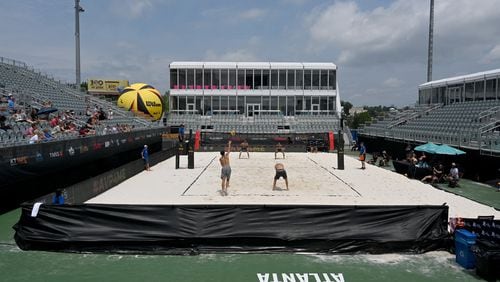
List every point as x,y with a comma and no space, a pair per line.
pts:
379,46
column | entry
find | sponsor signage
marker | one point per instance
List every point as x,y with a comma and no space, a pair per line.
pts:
106,85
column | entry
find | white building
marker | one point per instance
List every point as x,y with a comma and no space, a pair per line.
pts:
254,88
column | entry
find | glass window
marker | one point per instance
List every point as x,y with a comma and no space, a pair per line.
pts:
257,79
490,89
249,79
315,79
291,79
199,104
265,103
173,79
190,78
331,105
299,78
332,79
207,105
282,79
198,78
282,104
241,104
469,91
241,79
274,79
479,90
216,104
223,79
434,98
207,78
216,79
274,103
323,79
265,79
232,104
299,104
290,106
307,79
182,103
323,104
307,103
182,79
232,79
224,103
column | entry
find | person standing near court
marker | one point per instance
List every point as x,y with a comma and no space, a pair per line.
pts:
226,168
181,133
145,157
279,148
362,154
244,148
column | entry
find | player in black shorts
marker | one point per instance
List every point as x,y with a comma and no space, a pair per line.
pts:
280,172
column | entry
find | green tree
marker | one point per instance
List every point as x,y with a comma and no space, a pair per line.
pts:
347,106
358,119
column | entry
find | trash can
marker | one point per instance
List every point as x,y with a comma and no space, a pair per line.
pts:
464,240
487,254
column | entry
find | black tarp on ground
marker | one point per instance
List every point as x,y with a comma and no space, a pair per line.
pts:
201,229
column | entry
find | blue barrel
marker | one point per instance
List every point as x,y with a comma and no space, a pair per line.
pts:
464,240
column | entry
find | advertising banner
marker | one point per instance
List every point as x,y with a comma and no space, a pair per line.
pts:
110,86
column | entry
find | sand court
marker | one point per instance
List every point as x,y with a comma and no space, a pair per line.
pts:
313,180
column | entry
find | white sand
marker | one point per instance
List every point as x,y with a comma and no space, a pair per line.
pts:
313,179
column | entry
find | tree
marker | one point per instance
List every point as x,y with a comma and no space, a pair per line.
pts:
358,119
347,107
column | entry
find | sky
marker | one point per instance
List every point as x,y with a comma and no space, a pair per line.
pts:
379,46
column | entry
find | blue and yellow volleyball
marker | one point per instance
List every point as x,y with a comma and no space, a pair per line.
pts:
141,97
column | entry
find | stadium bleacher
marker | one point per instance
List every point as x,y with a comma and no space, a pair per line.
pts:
31,89
471,124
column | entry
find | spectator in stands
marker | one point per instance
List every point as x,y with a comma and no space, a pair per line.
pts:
408,152
20,116
31,130
11,104
58,198
58,129
102,114
453,176
4,126
88,112
47,136
279,148
37,137
280,172
33,117
54,121
110,113
436,176
145,157
412,165
362,154
244,148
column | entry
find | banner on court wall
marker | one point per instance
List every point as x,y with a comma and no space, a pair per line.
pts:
331,140
197,136
106,85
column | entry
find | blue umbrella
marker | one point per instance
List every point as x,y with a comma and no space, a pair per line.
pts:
428,148
448,150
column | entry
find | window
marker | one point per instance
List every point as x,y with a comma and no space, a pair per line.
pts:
182,79
299,104
299,78
291,79
216,79
241,104
207,105
224,102
265,79
174,84
282,79
257,79
490,89
315,79
223,79
332,79
274,79
323,79
216,104
290,106
249,79
232,79
241,79
331,105
207,78
307,79
265,102
469,91
199,104
274,103
232,104
198,78
190,78
323,104
282,104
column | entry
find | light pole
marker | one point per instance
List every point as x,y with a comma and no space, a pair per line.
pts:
78,10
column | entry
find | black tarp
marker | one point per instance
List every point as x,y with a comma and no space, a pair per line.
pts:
201,228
